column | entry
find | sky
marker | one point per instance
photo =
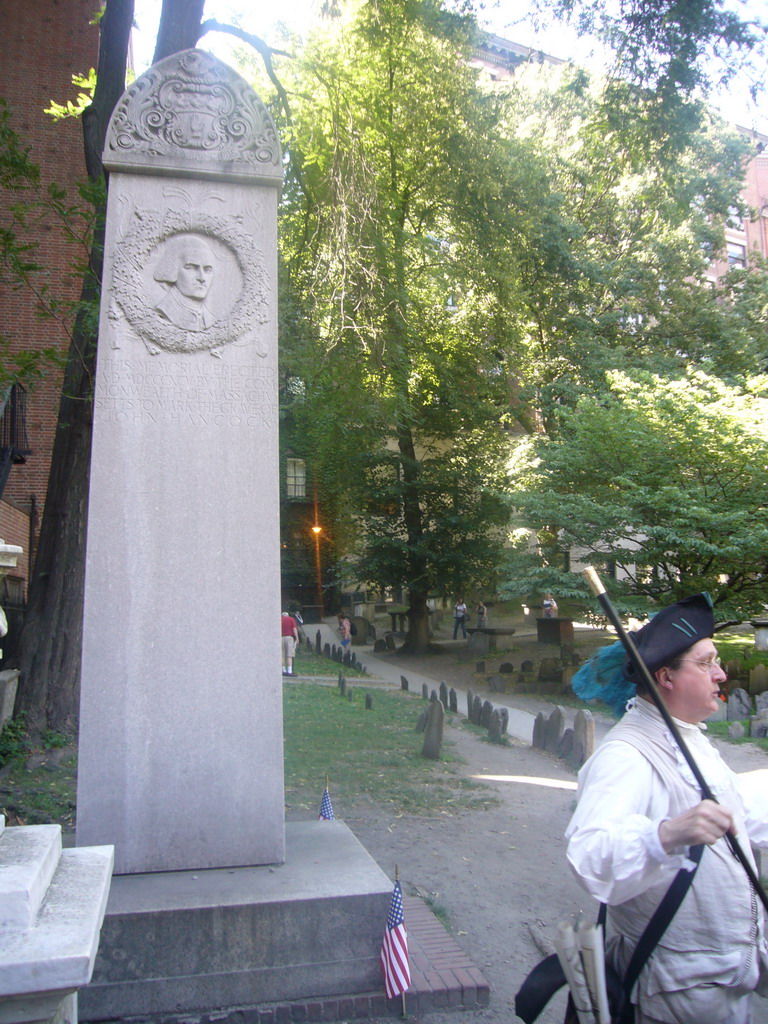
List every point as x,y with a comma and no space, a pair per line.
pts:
503,17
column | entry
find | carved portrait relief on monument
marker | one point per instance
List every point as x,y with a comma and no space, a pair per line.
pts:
187,280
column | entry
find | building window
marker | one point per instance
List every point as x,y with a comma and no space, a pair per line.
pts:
737,254
296,478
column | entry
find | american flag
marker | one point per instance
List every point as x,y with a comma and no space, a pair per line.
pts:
326,810
394,950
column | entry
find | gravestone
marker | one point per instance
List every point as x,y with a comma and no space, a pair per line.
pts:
368,701
327,650
539,731
380,647
319,643
180,751
184,440
761,701
554,729
736,731
433,696
363,626
421,721
470,701
506,667
761,634
583,735
495,726
390,641
433,733
479,642
453,701
477,710
444,695
758,726
721,714
550,670
758,679
739,704
424,691
565,746
485,713
403,683
504,712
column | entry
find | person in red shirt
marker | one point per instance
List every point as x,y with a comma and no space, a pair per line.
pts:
290,637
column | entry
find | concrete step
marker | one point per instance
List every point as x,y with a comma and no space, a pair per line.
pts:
29,856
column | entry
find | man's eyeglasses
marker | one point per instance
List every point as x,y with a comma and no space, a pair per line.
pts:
705,666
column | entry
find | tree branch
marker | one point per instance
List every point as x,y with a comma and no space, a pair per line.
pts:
266,51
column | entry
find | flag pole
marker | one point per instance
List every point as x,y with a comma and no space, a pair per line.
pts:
402,994
597,588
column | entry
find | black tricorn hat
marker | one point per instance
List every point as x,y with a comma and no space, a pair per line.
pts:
671,632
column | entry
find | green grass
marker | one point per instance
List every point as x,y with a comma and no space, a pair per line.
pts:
740,647
309,663
36,785
371,757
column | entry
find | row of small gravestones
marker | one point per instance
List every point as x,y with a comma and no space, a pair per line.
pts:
739,708
553,672
431,720
346,691
348,658
571,744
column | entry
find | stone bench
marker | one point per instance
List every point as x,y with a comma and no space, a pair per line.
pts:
483,639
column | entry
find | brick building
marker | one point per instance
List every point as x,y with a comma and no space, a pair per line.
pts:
41,46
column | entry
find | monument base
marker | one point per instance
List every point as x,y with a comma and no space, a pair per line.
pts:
193,942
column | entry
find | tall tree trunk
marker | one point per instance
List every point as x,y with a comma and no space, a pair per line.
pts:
179,27
49,646
417,639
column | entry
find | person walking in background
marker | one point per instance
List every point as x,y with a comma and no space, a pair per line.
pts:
482,616
290,637
460,618
345,631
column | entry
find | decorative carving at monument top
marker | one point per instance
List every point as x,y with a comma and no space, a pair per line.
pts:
192,115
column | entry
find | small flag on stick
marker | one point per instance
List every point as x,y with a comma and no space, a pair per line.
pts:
326,809
394,950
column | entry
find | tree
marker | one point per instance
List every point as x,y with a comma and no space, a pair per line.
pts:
664,481
403,395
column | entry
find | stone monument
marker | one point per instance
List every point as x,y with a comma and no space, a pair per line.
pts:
181,756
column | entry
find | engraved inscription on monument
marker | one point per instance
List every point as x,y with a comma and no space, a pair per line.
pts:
168,391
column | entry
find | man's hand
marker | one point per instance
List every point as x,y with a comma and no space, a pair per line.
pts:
705,823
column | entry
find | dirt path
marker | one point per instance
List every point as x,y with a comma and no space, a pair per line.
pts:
499,876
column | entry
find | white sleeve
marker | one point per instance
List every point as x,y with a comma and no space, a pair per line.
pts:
753,790
613,840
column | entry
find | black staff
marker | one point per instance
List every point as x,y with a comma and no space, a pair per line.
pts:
599,591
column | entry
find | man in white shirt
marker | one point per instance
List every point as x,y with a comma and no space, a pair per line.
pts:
640,810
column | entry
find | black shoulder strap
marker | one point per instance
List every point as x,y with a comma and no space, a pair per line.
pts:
661,919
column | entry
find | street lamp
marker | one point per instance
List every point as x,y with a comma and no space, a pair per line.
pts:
317,530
